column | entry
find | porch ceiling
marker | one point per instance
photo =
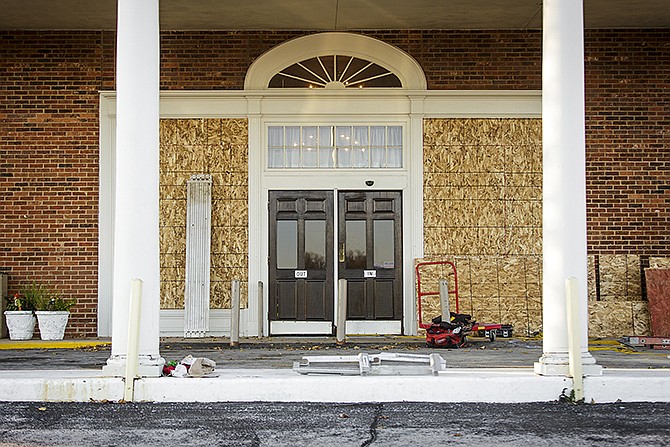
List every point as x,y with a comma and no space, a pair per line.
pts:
330,15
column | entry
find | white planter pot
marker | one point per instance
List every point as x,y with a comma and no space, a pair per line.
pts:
52,324
21,324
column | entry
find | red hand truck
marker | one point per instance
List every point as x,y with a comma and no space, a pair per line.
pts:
448,331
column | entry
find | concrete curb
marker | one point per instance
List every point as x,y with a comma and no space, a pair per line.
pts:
454,385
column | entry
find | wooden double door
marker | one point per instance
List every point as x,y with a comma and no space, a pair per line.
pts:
313,242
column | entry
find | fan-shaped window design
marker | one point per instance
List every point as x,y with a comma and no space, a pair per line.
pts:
336,72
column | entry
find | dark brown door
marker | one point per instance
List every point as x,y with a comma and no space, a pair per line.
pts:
301,256
370,244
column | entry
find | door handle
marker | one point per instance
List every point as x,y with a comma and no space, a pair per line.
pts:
342,252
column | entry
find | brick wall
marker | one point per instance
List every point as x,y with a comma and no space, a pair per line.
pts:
49,163
628,143
49,131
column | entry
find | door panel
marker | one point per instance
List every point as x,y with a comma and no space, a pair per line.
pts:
383,295
370,243
301,257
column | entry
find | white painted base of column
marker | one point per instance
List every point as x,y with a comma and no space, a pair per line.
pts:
148,366
558,364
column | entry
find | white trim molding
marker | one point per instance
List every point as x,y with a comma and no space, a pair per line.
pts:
395,60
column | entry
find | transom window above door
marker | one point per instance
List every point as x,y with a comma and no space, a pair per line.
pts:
335,147
335,72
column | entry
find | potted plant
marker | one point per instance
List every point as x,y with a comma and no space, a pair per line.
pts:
20,318
51,309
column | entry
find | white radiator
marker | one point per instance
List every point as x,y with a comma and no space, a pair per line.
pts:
198,245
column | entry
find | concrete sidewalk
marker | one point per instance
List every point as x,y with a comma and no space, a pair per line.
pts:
260,370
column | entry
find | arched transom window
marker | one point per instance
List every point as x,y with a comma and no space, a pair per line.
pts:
335,72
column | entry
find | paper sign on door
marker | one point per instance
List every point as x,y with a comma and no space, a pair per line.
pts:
301,273
369,273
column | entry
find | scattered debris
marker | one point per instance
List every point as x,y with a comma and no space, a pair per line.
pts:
189,366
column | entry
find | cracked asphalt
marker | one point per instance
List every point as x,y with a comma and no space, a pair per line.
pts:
342,425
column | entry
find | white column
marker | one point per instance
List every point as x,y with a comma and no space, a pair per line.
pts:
136,245
564,182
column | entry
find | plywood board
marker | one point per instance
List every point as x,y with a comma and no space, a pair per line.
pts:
591,277
620,278
641,318
486,309
218,147
514,311
610,318
656,262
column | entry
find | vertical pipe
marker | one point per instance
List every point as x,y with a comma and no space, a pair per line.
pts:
235,315
132,360
574,337
341,310
444,300
261,316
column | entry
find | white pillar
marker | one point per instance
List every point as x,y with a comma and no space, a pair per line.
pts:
136,245
564,182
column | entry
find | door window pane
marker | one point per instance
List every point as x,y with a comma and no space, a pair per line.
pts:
315,244
384,244
287,244
356,255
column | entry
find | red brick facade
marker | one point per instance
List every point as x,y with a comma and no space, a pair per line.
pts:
49,84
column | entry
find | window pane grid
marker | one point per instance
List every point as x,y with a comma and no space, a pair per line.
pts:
332,147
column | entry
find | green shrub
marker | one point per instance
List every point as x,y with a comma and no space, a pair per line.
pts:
41,297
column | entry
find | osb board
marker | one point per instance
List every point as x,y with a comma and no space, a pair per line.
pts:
482,186
533,325
217,147
659,263
591,277
620,278
605,316
641,318
618,318
486,309
516,312
492,131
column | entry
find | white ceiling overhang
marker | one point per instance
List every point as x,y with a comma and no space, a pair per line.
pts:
329,15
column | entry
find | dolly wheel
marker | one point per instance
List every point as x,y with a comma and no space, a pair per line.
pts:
492,335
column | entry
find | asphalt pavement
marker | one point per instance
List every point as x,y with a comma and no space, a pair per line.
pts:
341,425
